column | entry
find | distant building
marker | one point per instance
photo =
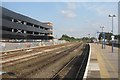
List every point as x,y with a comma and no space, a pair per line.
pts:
18,26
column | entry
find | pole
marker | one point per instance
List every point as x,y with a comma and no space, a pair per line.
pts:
97,38
112,46
89,37
102,36
112,25
112,30
112,33
104,39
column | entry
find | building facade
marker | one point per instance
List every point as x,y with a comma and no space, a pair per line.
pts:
18,26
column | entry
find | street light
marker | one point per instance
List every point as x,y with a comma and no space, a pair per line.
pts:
112,16
102,35
102,28
89,37
97,36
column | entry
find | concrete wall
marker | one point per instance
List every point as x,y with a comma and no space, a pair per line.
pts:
13,46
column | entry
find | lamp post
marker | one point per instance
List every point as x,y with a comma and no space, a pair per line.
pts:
97,37
89,37
112,16
102,35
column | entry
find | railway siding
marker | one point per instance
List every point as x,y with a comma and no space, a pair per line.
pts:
64,61
12,68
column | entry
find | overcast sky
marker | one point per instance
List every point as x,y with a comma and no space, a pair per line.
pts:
76,19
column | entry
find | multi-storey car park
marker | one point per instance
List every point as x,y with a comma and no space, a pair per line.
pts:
18,26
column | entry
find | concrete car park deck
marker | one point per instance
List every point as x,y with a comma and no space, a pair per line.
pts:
102,63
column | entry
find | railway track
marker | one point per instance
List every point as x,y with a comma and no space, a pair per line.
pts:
27,60
27,51
75,68
30,55
33,65
49,61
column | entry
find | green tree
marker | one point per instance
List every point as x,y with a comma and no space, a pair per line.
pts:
107,36
67,38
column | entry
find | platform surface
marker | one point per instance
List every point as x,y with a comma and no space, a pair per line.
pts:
103,63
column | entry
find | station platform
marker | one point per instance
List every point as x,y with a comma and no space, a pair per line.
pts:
102,63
